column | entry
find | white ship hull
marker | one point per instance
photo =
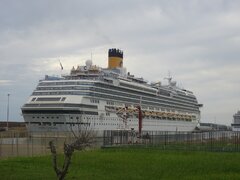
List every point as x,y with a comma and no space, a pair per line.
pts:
108,99
65,124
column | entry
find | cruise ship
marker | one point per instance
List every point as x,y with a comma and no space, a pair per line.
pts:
109,99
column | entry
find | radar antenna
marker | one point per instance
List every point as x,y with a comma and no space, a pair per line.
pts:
169,78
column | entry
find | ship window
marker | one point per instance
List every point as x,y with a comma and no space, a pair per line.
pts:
94,100
48,99
33,99
46,123
36,123
110,102
58,123
63,99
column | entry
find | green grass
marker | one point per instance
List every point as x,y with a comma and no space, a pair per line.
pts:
129,163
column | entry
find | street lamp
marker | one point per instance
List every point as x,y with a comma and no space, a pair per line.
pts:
8,110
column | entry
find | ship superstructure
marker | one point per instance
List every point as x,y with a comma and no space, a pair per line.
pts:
94,96
236,122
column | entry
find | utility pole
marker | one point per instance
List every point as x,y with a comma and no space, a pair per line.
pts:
8,110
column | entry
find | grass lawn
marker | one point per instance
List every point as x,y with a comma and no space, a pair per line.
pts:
129,163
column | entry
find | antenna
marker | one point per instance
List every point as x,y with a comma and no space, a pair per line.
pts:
169,78
60,64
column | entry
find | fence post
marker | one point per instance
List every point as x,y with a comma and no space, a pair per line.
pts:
27,138
102,138
17,136
12,142
237,140
112,135
32,144
0,144
45,143
211,141
165,140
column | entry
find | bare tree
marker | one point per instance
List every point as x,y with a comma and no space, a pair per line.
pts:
83,138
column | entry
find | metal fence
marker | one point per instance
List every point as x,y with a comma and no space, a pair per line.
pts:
222,141
33,144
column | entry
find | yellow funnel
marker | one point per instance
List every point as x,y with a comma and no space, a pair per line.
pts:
115,58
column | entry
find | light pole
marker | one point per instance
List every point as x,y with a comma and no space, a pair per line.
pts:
8,110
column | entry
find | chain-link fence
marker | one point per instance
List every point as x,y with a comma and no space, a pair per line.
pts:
201,141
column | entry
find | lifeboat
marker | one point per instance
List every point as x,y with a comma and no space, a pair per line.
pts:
175,116
159,114
164,114
153,113
168,115
188,118
171,115
135,111
147,113
130,110
179,116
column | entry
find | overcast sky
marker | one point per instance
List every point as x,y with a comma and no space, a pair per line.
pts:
197,41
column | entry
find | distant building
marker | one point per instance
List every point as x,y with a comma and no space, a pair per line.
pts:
213,127
236,122
12,125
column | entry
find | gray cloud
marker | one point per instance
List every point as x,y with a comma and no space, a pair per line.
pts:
198,41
